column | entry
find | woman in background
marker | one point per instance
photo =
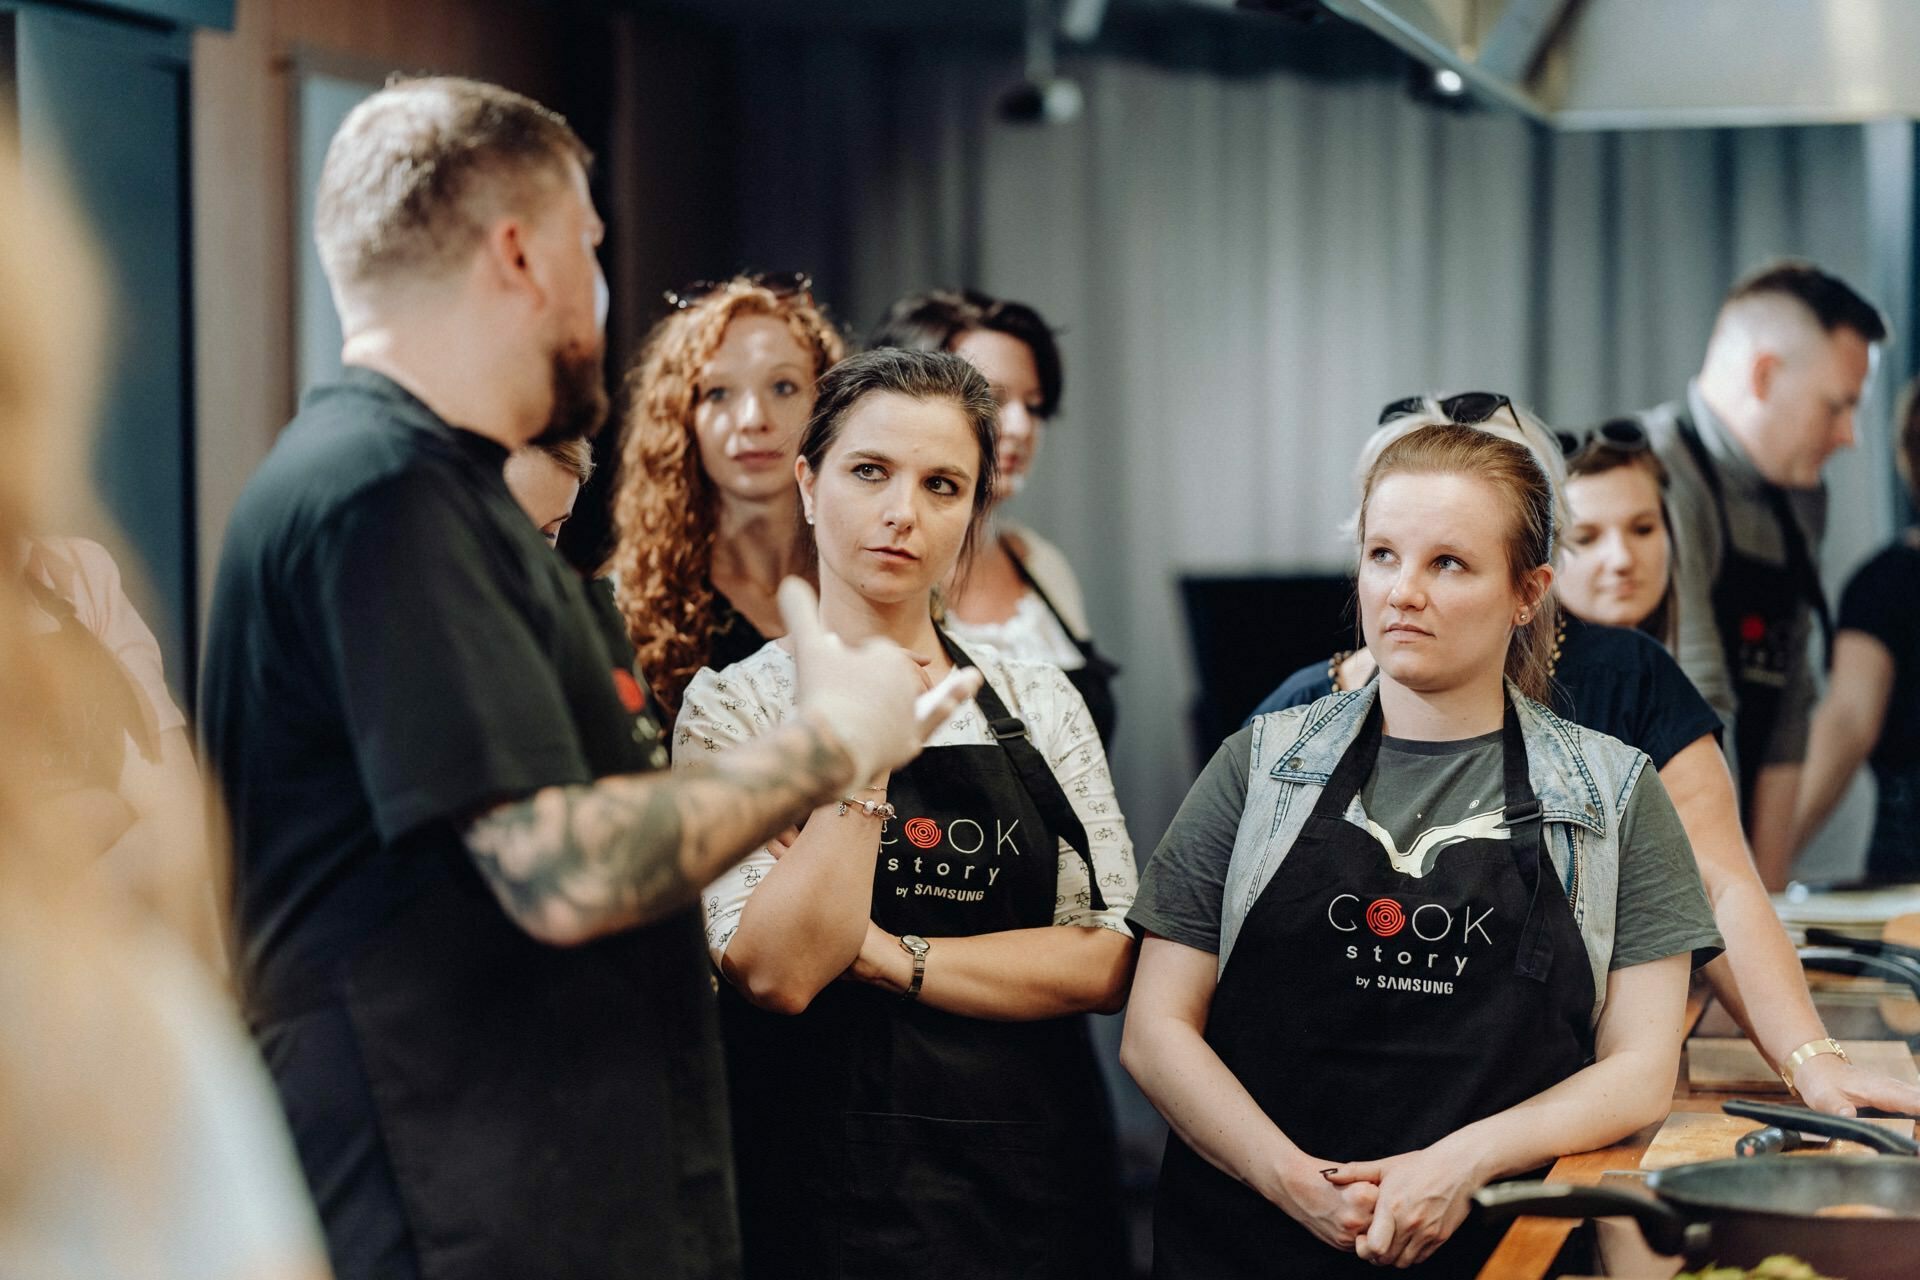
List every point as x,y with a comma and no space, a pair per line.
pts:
1019,594
912,1093
1871,711
705,511
141,1139
1609,674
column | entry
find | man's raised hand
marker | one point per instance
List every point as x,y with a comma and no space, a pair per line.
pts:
872,697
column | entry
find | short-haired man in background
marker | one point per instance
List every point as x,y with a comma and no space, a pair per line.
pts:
1774,399
469,948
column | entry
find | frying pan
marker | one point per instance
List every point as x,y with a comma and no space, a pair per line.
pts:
1738,1212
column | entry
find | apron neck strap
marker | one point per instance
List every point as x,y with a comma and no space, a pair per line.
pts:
1533,958
1036,776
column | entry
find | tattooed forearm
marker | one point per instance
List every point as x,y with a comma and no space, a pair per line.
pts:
573,863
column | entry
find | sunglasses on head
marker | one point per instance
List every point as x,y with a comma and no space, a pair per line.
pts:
1468,409
781,284
1624,434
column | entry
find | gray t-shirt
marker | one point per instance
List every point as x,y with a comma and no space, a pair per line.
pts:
1431,786
1439,793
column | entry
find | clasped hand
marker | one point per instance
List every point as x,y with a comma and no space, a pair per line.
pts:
1393,1212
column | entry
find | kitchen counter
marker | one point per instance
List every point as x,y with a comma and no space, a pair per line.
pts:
1528,1250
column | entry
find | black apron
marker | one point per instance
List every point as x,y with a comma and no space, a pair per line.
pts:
524,1093
1755,608
1094,678
877,1137
1358,1046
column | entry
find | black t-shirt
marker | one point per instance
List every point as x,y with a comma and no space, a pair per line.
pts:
393,647
1883,600
734,638
1613,679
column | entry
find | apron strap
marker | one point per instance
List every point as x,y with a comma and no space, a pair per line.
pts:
1355,767
1533,958
1036,777
1806,578
1800,564
1096,661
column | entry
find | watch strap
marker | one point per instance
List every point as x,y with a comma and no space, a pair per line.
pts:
919,955
1808,1051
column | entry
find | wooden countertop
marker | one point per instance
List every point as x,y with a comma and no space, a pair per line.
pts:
1528,1249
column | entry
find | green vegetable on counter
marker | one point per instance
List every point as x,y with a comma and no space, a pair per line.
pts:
1778,1267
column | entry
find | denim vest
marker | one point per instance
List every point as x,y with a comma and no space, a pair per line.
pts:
1582,778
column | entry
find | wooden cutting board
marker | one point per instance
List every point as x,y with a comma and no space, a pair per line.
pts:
1690,1136
1731,1065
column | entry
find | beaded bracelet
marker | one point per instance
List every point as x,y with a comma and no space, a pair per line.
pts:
872,808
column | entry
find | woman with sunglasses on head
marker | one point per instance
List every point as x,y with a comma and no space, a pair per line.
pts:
1611,675
1019,594
704,509
1414,938
912,1093
1872,703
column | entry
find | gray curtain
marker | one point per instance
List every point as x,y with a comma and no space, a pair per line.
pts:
1245,267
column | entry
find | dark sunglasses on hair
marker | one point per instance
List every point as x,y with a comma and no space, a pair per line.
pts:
1624,434
1468,409
781,284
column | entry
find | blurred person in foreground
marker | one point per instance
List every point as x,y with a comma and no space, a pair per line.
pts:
141,1138
468,943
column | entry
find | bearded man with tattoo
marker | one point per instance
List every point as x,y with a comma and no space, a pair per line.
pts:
469,945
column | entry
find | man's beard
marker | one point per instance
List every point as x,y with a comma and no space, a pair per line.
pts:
579,395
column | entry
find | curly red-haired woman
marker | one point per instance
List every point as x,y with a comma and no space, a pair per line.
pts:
706,511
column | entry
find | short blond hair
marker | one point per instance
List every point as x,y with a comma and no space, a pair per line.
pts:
417,171
575,457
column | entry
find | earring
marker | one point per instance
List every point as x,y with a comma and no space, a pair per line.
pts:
809,516
1526,615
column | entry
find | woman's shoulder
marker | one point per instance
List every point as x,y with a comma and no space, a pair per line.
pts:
1049,567
1896,563
1023,683
1588,765
758,688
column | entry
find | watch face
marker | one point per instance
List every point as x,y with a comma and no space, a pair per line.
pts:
914,943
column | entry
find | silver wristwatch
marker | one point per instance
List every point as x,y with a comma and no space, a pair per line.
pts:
916,946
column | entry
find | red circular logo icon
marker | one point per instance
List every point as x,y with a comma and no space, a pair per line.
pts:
1753,628
1385,918
629,690
924,833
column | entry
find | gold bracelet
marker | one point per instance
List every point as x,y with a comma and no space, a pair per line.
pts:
1810,1050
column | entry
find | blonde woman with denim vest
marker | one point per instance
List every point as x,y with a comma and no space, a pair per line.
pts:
1414,938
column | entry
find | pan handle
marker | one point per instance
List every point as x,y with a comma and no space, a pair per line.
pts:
1801,1120
1764,1142
1665,1229
1888,968
1818,937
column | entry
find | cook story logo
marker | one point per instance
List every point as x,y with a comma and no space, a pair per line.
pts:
1425,947
959,862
